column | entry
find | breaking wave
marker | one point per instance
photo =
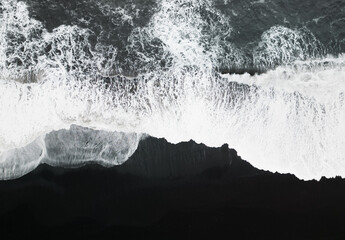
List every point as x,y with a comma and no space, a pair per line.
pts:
73,94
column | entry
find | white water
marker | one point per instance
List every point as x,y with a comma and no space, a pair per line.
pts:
290,119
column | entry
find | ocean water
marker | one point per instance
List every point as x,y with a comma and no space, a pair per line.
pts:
84,81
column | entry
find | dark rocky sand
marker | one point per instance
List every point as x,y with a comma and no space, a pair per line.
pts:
171,192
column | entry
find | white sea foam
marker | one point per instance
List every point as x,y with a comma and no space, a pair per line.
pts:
281,45
290,119
293,119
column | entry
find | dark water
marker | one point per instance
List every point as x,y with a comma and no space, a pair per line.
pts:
249,20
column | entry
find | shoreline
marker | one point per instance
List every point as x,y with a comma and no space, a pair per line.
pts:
233,199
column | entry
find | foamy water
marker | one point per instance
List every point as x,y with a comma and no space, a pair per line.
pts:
289,119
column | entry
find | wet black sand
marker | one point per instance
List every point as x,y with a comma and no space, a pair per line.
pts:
225,197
